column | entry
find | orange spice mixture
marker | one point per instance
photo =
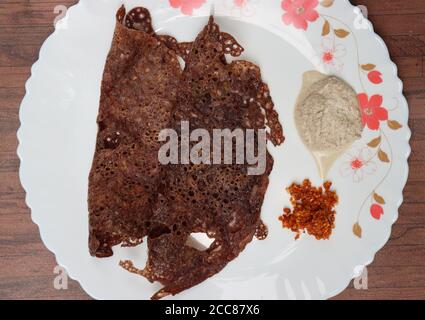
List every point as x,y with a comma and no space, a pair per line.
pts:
313,210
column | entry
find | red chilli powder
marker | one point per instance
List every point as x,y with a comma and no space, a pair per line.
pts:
313,210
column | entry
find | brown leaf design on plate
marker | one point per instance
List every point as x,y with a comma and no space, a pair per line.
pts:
395,125
326,28
368,67
341,33
378,198
383,156
357,230
327,3
375,142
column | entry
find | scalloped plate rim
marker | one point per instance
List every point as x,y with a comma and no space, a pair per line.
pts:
333,293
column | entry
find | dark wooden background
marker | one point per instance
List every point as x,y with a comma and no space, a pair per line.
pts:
26,266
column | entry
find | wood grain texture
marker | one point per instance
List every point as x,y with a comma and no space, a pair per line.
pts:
27,266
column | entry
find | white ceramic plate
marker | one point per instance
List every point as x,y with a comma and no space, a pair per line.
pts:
58,134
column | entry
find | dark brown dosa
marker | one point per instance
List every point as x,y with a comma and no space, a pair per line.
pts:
219,200
139,87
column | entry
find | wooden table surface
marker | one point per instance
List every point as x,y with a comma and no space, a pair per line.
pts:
26,266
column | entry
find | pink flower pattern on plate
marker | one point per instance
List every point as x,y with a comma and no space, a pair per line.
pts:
300,12
357,165
375,77
372,110
239,3
332,54
376,211
238,8
187,6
